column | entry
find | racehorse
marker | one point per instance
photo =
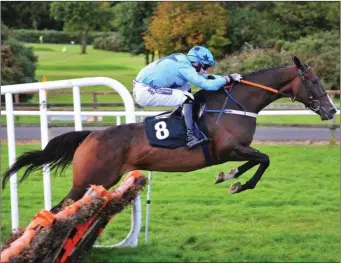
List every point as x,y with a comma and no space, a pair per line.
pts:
103,157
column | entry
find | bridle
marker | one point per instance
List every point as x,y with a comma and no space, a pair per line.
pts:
313,96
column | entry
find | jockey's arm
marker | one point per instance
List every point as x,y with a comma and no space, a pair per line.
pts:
200,81
212,76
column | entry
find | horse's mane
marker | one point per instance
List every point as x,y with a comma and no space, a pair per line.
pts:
263,70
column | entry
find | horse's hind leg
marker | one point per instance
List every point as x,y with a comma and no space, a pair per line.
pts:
77,193
236,172
74,195
99,160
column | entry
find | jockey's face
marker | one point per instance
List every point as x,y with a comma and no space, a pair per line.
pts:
199,68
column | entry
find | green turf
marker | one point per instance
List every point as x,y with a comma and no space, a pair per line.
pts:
293,215
298,119
56,65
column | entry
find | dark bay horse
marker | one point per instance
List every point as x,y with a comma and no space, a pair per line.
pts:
102,157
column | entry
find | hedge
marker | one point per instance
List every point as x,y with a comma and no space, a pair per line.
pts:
18,65
111,43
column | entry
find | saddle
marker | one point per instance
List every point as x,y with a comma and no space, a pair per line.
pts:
168,130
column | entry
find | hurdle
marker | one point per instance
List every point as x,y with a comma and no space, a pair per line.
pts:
136,221
42,87
66,235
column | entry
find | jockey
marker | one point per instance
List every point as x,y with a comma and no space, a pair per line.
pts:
165,82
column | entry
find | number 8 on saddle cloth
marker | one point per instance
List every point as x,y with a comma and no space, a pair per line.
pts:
168,130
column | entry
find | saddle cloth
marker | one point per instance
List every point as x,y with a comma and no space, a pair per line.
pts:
168,130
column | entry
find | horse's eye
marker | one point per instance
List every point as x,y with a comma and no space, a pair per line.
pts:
315,80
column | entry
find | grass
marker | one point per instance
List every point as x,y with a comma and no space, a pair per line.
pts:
293,215
56,65
298,119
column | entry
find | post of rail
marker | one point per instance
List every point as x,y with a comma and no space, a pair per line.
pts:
118,120
332,139
77,108
148,206
44,141
49,123
11,160
94,101
17,101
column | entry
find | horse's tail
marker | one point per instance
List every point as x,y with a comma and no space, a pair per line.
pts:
58,153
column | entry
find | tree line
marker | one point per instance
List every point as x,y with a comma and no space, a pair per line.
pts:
175,26
257,32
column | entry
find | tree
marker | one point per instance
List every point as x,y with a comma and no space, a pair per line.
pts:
28,15
303,18
250,22
132,20
321,50
82,17
177,26
262,24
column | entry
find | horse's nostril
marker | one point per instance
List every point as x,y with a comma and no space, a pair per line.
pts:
332,111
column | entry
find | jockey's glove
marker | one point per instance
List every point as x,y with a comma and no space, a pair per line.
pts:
232,78
235,77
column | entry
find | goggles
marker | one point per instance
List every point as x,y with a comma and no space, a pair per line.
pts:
204,66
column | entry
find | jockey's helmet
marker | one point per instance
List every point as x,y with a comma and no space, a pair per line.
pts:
202,55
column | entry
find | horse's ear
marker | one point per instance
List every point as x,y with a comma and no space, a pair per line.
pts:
297,62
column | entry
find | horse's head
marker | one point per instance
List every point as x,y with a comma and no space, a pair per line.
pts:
309,91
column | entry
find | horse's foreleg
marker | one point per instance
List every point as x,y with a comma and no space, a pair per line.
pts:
250,154
236,172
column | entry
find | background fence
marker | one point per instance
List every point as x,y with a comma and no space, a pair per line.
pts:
63,112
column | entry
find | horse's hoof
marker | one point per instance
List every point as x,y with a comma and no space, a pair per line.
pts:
219,178
235,188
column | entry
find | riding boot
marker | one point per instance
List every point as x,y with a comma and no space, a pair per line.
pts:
192,139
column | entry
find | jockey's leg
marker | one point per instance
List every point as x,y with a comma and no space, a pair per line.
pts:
192,139
148,96
151,97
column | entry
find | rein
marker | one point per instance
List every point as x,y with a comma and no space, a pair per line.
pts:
229,95
256,85
236,112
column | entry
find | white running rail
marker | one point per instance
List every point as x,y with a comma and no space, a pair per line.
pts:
42,87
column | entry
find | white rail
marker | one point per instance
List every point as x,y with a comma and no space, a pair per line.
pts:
75,84
150,113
